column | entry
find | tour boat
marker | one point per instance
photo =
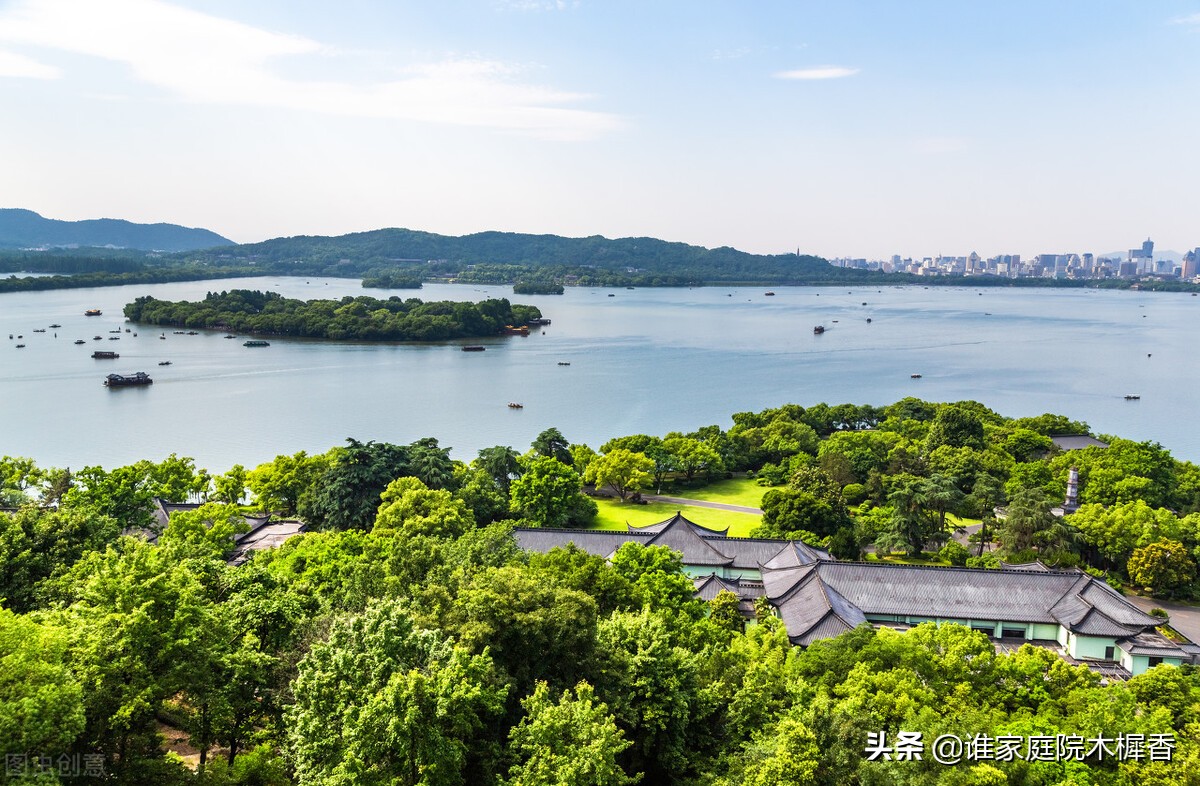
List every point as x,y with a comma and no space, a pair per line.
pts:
120,380
92,312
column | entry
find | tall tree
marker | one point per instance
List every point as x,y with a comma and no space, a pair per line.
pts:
553,444
384,702
347,494
570,742
621,470
549,493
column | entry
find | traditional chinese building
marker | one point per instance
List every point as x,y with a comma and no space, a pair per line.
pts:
818,597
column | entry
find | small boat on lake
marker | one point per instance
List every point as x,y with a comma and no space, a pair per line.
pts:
80,341
564,362
39,330
914,376
120,380
515,405
1132,397
769,294
818,330
473,348
92,312
56,325
164,362
22,346
256,343
101,355
97,338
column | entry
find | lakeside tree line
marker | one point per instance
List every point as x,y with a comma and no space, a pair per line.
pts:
405,639
350,318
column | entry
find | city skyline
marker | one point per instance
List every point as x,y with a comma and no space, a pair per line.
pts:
864,130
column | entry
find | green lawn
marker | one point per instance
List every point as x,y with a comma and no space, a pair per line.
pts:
737,491
614,514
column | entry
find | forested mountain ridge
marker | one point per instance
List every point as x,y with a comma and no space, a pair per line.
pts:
449,255
27,229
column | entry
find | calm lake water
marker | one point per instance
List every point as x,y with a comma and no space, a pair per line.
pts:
643,360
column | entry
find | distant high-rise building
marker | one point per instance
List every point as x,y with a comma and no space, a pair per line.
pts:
1191,261
1143,257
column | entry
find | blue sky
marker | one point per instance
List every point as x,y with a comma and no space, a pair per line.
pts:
842,129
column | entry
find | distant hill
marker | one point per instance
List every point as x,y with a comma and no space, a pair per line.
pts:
645,259
27,229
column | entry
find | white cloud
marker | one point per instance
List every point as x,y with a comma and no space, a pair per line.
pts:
818,72
1192,19
12,64
207,59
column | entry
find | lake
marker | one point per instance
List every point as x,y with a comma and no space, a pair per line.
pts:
641,360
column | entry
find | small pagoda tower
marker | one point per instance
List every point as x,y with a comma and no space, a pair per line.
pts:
1071,503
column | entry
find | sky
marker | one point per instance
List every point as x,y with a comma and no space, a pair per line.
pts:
860,129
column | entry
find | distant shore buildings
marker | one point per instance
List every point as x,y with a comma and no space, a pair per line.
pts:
1136,263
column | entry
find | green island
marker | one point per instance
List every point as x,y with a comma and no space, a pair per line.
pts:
350,318
381,613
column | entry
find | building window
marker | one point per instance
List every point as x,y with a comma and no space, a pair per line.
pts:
1012,633
1154,661
1110,653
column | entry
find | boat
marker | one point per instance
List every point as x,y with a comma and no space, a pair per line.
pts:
515,405
538,321
564,362
118,330
92,312
80,341
22,346
39,330
256,343
915,376
101,355
97,338
1132,397
56,325
769,294
611,294
163,336
473,348
164,362
120,380
193,333
868,320
513,330
229,335
114,338
818,330
864,302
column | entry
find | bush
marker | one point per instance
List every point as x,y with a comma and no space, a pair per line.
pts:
854,493
954,553
988,560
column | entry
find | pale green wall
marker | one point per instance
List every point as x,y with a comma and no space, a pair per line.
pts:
1089,646
1042,630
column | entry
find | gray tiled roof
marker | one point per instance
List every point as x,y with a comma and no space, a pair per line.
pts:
695,549
679,518
1076,442
598,542
1154,644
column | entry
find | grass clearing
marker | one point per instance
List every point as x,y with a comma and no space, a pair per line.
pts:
614,514
735,491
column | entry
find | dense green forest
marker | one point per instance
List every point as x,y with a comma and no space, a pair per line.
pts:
352,318
406,640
